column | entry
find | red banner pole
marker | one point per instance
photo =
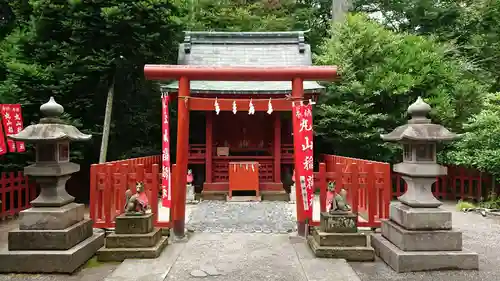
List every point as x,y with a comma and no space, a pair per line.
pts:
298,94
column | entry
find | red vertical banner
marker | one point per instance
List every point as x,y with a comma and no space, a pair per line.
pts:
166,181
304,161
18,125
8,124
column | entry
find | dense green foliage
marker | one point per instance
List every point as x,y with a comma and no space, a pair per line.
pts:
445,51
72,50
383,72
480,145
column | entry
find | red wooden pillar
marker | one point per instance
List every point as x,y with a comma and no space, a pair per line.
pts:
209,146
182,156
277,147
298,95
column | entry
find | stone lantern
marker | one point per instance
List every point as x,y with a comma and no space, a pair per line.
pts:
53,235
419,235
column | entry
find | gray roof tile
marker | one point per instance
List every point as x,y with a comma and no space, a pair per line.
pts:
244,49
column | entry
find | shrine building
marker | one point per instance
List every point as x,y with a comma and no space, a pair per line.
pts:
232,148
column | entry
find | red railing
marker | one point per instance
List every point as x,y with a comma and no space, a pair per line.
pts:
371,186
368,186
109,181
16,193
460,183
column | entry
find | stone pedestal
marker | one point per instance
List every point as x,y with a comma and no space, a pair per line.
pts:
190,194
421,239
134,237
338,237
293,195
50,240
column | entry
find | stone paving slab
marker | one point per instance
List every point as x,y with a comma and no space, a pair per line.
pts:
253,257
148,269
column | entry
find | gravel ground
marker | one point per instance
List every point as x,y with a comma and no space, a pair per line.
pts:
246,217
481,235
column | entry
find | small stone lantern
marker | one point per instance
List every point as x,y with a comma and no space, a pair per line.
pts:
419,168
53,236
419,235
52,168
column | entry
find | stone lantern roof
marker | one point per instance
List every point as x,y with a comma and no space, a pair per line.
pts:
51,128
419,127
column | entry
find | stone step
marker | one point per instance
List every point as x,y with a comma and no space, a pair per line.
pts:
120,254
58,239
56,261
340,239
347,253
409,261
421,240
147,240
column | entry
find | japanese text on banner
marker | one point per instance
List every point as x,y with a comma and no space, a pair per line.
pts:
166,175
304,161
18,125
8,123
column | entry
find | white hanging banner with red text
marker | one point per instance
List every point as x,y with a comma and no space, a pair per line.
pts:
166,180
12,120
304,161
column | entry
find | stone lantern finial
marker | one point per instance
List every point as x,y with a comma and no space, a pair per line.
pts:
419,111
51,108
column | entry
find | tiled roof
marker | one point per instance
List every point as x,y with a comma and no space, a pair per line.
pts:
245,49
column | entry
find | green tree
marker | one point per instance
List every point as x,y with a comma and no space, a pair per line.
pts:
68,49
259,15
382,73
479,146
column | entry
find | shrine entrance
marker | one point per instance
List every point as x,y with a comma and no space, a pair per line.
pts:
187,103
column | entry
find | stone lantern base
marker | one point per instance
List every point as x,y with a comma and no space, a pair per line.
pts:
421,239
50,240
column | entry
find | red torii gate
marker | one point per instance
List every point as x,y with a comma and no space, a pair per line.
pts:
185,74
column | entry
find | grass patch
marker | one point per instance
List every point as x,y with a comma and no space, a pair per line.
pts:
93,262
464,205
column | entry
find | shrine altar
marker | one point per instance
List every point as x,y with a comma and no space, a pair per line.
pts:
243,176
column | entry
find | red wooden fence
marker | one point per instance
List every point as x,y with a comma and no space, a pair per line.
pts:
368,186
460,183
371,186
16,193
109,181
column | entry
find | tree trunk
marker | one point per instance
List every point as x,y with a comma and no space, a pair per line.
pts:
107,122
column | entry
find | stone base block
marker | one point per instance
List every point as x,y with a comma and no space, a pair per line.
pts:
147,240
340,223
63,239
421,240
51,261
214,195
347,253
420,218
274,195
340,239
410,261
120,254
134,224
45,218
